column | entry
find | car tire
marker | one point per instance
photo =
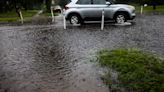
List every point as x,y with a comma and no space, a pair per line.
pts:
75,19
120,18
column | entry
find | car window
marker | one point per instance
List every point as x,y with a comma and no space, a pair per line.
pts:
84,2
99,1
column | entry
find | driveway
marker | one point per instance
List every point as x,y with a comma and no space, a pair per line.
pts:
46,58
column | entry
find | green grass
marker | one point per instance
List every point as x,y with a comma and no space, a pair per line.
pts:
138,71
29,13
9,19
48,14
8,14
159,8
13,16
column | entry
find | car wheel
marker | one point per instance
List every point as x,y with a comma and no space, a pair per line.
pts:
75,19
120,18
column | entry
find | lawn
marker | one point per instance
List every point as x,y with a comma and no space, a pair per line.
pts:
12,15
9,19
49,14
29,13
159,8
138,71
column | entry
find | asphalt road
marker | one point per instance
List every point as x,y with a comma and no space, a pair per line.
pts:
46,58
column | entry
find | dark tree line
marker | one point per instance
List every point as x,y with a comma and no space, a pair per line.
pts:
150,2
154,3
63,2
8,5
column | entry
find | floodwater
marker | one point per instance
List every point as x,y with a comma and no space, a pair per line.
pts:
46,58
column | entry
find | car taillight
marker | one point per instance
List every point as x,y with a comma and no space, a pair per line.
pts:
66,8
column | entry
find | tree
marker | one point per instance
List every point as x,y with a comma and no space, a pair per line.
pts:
154,3
62,3
48,5
25,4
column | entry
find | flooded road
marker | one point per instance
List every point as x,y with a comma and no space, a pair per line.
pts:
46,58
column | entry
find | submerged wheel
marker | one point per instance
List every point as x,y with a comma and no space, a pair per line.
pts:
120,18
75,19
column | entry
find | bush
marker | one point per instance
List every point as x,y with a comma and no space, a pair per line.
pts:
138,71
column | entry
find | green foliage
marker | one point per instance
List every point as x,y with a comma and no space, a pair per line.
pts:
48,5
137,71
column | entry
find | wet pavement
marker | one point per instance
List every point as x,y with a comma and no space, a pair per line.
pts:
46,58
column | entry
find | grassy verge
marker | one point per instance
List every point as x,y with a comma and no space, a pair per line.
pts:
137,71
12,15
159,8
48,14
29,13
9,19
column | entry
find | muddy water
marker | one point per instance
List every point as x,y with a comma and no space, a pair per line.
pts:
46,58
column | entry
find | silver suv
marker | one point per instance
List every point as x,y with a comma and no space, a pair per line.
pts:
79,11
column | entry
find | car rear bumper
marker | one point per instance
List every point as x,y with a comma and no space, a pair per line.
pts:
132,16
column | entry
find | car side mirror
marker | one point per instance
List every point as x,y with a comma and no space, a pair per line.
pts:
108,3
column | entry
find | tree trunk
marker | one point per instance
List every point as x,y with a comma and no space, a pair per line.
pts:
154,5
48,5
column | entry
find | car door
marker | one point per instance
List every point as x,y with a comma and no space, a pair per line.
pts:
91,9
99,6
85,8
109,11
